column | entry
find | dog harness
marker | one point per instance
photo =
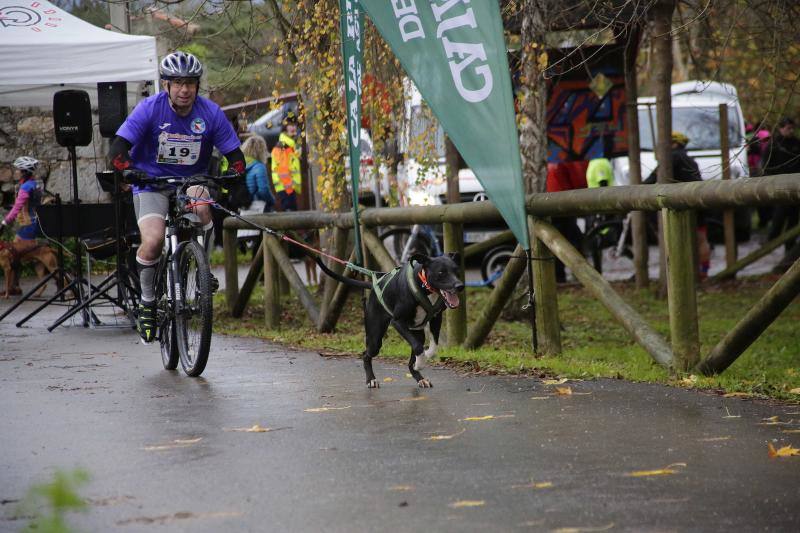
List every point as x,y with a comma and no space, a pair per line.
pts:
431,308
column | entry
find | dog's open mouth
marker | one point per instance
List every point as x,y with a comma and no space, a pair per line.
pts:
450,298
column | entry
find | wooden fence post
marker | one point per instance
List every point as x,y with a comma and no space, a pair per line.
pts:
272,302
497,300
548,326
681,294
757,319
456,319
728,214
231,267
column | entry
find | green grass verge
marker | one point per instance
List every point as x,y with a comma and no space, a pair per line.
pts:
594,345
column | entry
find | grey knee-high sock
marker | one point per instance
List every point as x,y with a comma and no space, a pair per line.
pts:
147,274
208,238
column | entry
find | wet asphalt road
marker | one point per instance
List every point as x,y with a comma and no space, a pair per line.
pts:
164,454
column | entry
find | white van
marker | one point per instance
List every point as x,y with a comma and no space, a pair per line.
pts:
695,113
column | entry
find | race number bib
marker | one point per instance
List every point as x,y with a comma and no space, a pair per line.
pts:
178,149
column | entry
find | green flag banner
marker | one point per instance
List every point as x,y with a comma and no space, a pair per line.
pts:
455,53
352,29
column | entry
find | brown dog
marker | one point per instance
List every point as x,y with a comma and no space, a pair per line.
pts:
44,259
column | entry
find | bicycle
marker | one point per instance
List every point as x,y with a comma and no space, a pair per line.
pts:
402,243
183,281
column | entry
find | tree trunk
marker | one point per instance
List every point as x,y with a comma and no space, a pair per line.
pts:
533,127
662,80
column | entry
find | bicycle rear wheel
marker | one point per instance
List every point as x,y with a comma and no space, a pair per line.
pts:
194,310
395,241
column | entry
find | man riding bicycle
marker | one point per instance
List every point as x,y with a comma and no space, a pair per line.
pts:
170,134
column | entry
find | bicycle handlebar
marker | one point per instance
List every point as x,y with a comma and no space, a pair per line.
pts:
135,177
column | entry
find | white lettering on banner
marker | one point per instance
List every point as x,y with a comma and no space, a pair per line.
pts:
408,20
353,86
352,24
438,11
468,53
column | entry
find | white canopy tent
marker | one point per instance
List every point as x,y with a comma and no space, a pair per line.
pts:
45,49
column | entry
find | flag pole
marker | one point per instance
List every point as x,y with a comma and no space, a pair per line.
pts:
352,33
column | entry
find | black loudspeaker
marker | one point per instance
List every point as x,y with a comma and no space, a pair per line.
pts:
112,106
72,117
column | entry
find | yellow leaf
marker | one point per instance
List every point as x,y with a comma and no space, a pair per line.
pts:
446,437
666,471
795,391
689,381
388,380
255,428
555,381
177,443
540,397
790,431
532,485
402,488
323,409
409,375
478,418
645,473
785,451
467,503
563,391
279,60
738,395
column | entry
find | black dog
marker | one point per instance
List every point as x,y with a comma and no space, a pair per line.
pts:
411,298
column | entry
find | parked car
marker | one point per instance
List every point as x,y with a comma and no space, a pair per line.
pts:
269,124
695,113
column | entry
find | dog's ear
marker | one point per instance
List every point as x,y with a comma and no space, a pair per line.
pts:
422,259
455,256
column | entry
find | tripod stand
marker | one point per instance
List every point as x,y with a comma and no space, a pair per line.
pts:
126,294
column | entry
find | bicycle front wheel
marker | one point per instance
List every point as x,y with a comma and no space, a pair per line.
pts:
166,320
194,311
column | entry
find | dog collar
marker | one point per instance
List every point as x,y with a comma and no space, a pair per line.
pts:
423,278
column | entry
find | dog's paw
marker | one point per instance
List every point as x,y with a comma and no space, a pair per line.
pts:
425,384
373,384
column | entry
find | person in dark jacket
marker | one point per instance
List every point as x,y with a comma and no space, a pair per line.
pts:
685,169
783,157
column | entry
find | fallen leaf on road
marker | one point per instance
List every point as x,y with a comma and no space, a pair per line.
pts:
177,443
482,418
446,437
467,503
583,529
738,395
409,375
532,485
689,381
388,380
772,421
785,451
323,409
255,428
540,397
555,381
790,431
563,391
714,439
666,471
402,488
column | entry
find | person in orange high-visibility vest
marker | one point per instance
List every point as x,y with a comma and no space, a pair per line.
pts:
286,166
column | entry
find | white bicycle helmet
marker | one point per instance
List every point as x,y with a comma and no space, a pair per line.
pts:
26,163
180,65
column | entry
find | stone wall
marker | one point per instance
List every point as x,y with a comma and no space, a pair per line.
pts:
30,131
